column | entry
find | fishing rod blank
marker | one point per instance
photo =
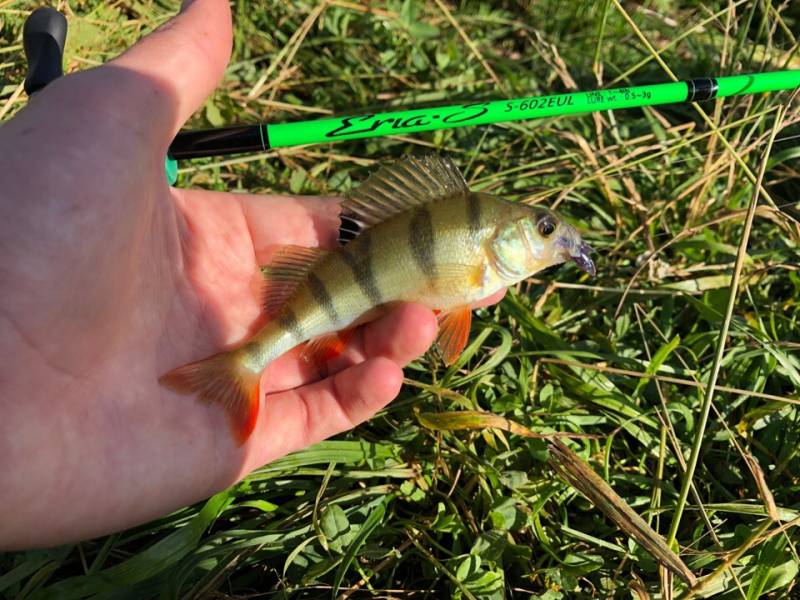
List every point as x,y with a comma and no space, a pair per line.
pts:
45,31
262,137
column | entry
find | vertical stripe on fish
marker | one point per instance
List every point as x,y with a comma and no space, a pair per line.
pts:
474,215
288,321
321,296
358,256
422,242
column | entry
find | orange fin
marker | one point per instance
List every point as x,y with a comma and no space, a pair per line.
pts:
286,271
327,347
219,379
453,333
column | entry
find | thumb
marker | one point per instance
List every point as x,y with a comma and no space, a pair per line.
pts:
187,55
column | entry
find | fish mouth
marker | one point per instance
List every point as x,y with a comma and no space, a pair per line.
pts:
583,260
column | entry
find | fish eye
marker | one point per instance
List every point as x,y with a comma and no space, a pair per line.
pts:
546,226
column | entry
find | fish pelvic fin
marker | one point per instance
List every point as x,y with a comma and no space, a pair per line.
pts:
223,380
327,347
399,187
453,333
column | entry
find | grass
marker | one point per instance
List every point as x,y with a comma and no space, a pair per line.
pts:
680,357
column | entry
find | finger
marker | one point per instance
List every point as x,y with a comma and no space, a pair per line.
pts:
187,55
270,221
298,418
277,220
404,334
401,335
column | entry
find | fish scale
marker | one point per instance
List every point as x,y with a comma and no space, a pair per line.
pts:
425,237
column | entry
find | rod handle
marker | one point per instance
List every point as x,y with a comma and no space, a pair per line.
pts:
43,38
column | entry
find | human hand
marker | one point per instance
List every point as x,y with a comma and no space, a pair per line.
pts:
109,278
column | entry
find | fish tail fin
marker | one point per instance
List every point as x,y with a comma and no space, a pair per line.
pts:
221,379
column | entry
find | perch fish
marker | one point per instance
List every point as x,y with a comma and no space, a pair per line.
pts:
423,237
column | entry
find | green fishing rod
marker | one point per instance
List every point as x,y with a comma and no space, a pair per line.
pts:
265,136
262,137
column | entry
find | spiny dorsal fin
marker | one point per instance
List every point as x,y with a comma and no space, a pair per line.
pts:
288,269
398,187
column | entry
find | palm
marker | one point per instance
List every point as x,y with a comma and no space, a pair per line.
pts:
156,277
109,278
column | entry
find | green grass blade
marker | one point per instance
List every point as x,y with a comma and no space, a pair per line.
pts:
374,519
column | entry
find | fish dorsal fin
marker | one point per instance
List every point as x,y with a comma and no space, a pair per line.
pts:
285,272
400,186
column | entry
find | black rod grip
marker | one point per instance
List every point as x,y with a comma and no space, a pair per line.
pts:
43,38
222,141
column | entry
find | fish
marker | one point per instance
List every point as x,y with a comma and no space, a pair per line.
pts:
418,235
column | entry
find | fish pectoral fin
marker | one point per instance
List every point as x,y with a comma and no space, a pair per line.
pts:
327,347
220,379
398,187
285,272
453,333
456,276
